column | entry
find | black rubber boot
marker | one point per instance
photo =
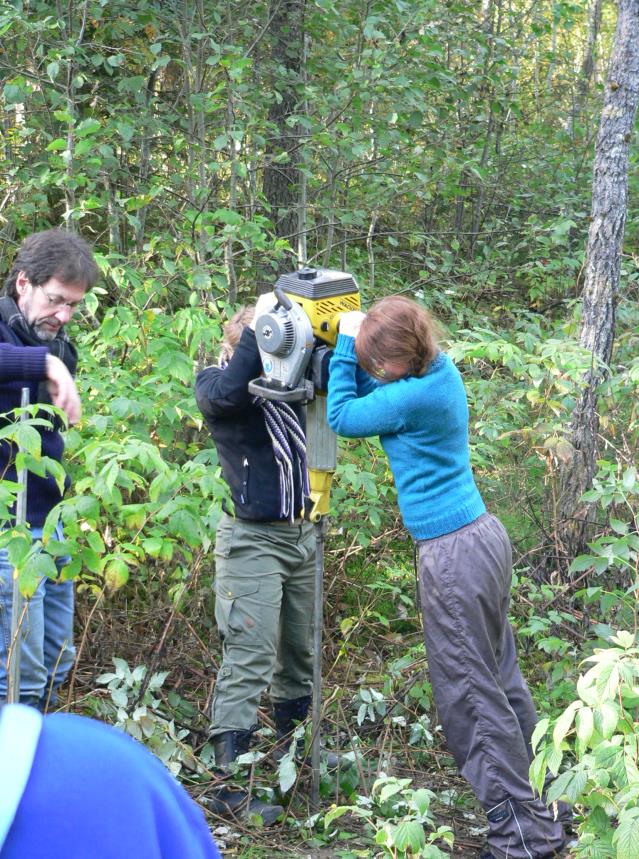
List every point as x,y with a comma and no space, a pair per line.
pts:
230,745
228,802
235,802
287,715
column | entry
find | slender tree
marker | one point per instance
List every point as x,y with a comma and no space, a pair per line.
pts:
605,237
281,182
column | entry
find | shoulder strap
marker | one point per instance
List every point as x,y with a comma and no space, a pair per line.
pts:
20,728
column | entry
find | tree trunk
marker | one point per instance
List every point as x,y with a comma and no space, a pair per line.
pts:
229,260
281,181
603,263
70,185
588,60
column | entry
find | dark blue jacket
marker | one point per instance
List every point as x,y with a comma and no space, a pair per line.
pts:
25,366
244,447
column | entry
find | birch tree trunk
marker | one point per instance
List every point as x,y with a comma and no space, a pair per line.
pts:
603,263
70,185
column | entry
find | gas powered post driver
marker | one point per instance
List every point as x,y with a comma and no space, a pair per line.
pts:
294,339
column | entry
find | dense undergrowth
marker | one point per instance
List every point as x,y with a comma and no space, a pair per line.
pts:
139,525
444,151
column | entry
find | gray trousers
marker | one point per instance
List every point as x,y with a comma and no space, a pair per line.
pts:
264,596
483,703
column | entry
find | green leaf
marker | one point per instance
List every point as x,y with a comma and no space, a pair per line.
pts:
409,836
28,438
287,773
606,718
84,146
389,790
584,724
537,772
334,813
185,525
540,730
12,94
125,131
95,541
87,127
57,145
39,565
227,217
421,800
152,546
564,724
87,506
119,697
116,574
626,836
618,526
569,784
581,563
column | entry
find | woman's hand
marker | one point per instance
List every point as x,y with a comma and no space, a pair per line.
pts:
349,323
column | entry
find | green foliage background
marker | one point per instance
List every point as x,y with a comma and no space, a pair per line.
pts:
445,150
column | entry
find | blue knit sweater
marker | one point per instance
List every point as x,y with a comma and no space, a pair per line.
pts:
422,423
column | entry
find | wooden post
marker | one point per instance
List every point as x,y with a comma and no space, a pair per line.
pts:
17,603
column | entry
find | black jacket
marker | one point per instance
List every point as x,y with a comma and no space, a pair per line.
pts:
244,447
23,365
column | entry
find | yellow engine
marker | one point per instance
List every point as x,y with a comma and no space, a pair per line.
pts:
294,339
324,295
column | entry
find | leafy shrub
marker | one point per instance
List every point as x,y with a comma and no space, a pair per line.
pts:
399,818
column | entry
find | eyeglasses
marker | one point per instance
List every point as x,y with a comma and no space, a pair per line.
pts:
58,300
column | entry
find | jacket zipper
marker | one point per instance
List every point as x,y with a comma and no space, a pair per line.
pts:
244,494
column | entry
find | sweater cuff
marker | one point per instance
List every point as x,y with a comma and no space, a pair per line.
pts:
28,363
345,347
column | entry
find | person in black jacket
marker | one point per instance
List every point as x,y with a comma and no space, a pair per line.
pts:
50,275
264,552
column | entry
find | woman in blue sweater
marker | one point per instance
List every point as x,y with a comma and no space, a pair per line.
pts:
412,396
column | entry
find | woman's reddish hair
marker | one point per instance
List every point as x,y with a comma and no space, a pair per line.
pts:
397,329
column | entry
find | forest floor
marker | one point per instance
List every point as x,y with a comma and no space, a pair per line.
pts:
145,628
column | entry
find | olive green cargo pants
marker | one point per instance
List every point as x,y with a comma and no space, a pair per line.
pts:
264,595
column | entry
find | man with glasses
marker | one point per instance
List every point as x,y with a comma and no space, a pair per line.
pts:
50,276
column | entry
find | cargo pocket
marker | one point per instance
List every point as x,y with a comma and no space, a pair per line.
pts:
237,610
224,539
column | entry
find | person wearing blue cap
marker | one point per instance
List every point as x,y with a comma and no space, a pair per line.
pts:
72,787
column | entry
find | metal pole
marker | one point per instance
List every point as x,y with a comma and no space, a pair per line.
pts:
317,660
17,603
